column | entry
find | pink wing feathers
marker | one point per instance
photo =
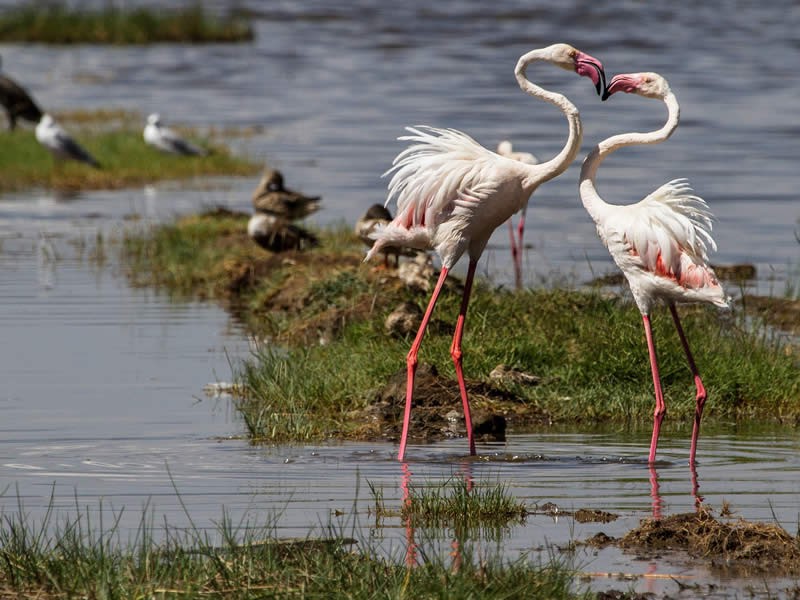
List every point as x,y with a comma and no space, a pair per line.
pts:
442,169
670,231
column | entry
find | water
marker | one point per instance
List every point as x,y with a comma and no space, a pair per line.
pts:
102,394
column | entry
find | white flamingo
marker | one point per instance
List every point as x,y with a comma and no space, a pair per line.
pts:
452,193
506,148
659,243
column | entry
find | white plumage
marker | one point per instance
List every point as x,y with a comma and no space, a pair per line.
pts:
452,193
661,243
60,144
159,136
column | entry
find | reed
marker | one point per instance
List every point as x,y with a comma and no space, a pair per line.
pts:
58,23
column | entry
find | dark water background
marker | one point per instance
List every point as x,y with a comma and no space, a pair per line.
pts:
102,384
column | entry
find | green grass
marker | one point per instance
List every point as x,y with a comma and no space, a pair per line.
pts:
588,348
78,557
56,23
126,160
458,503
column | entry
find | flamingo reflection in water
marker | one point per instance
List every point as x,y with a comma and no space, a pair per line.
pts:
412,548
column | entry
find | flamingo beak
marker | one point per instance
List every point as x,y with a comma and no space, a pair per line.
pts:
623,82
593,69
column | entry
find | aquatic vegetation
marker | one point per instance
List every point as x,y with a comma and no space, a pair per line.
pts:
328,357
118,145
58,23
74,556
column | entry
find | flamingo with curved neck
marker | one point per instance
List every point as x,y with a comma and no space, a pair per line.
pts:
452,193
660,243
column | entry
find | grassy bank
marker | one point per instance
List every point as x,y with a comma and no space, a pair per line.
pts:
54,23
586,347
76,557
115,140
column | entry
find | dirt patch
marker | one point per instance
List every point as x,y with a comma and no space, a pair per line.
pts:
743,546
437,411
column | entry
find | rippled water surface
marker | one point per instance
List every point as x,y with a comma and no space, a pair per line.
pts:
102,384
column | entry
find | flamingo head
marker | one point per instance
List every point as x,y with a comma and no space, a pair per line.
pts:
650,85
572,59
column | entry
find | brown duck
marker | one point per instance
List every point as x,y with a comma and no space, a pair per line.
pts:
272,197
276,234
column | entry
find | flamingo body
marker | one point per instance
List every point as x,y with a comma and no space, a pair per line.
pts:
452,193
661,243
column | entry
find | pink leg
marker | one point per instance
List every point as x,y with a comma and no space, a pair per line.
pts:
520,249
455,352
661,408
700,399
411,361
513,240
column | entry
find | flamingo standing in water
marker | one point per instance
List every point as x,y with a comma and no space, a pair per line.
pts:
660,242
452,193
506,148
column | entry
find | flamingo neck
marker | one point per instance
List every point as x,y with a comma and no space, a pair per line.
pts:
538,174
592,201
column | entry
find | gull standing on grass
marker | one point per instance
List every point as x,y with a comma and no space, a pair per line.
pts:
165,139
60,144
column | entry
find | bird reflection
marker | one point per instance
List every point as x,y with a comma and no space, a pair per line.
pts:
658,501
412,547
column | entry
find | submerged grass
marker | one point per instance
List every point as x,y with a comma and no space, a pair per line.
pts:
587,347
57,23
458,503
78,557
118,146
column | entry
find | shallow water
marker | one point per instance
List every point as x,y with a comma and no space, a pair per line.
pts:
102,394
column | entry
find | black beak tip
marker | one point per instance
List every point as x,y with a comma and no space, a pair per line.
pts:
605,95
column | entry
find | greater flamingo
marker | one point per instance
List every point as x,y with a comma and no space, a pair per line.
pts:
452,193
506,148
660,242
